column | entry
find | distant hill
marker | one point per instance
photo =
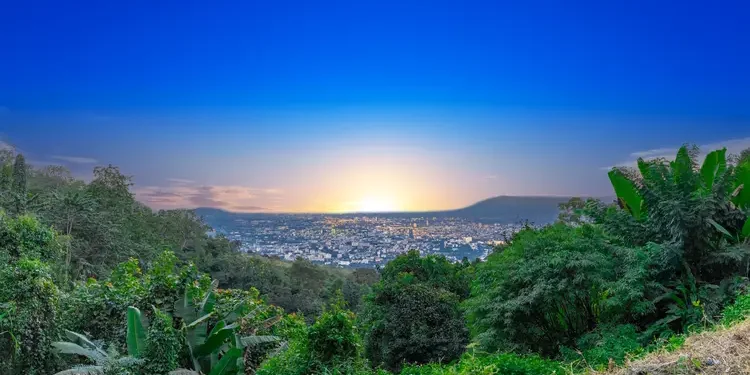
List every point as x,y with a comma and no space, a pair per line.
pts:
512,209
502,209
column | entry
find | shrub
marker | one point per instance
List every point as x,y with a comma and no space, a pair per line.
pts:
737,311
502,364
162,346
413,315
605,343
550,286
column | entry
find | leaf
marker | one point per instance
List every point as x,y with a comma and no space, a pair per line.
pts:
183,308
627,193
742,185
746,228
713,166
64,347
255,340
136,336
227,364
720,228
200,320
83,370
213,342
207,305
81,340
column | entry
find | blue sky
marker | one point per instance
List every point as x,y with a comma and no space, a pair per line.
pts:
334,106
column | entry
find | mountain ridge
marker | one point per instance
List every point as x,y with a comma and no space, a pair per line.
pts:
500,209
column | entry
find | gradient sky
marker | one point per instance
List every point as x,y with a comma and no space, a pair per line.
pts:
369,105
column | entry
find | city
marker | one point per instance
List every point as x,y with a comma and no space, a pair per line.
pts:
361,241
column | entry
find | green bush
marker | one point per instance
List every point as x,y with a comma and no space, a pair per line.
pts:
162,346
29,296
501,364
595,349
552,285
413,315
737,311
333,338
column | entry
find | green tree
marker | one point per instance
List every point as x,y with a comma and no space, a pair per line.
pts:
550,286
30,296
162,346
19,188
413,315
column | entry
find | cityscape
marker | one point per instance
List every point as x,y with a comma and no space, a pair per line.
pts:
364,241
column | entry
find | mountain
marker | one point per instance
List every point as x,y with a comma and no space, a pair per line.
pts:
502,209
513,209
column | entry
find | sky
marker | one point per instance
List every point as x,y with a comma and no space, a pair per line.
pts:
334,106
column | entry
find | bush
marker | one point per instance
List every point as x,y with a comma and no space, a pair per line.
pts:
162,346
605,343
502,364
550,286
28,296
737,311
330,346
413,315
333,338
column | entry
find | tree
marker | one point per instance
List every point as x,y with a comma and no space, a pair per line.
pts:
19,184
694,218
413,315
551,285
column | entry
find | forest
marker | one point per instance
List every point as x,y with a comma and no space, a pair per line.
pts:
94,282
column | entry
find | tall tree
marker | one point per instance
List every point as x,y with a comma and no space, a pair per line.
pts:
19,184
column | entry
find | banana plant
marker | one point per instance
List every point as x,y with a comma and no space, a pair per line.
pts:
627,194
713,167
104,362
215,349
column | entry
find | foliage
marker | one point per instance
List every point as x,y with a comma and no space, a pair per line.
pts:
332,345
213,340
737,311
604,345
29,295
162,347
333,337
413,313
104,362
500,364
550,286
693,217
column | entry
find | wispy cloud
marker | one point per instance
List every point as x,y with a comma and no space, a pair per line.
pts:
75,159
734,146
180,181
182,193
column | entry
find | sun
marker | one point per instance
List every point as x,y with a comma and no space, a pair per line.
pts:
376,204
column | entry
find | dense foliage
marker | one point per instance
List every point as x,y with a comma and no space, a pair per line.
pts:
413,314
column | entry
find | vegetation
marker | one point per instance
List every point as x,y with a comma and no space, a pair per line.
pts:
91,281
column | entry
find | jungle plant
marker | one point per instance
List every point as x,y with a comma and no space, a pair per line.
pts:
216,348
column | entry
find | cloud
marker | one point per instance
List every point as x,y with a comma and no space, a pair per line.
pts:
75,159
182,194
180,181
734,146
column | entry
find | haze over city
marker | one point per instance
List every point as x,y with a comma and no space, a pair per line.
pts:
355,106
